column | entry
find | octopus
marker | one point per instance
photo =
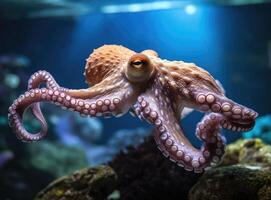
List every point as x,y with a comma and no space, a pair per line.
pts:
153,89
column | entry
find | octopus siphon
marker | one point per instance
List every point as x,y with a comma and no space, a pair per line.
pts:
154,89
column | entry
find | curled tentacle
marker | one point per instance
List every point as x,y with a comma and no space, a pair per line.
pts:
42,77
38,78
115,101
237,117
154,106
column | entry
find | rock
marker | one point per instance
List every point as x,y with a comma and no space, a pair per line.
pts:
248,151
141,173
233,182
86,184
144,173
245,174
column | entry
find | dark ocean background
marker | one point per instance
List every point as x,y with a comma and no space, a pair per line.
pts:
232,42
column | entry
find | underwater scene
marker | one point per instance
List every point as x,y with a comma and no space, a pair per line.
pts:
149,99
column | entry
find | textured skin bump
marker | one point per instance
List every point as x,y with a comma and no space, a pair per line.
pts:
179,74
104,61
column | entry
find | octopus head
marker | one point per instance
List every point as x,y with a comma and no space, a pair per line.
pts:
111,60
139,68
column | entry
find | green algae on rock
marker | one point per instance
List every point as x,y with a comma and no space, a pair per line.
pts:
232,183
86,184
248,151
245,174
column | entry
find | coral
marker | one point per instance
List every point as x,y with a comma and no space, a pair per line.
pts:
86,184
125,137
261,130
249,151
120,140
74,130
54,158
143,173
244,174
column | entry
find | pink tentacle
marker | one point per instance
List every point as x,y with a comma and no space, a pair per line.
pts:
237,117
93,107
154,106
35,81
102,102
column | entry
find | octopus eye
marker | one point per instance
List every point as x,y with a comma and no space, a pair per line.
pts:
137,64
139,68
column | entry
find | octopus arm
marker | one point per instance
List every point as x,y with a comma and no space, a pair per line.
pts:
236,117
103,99
154,106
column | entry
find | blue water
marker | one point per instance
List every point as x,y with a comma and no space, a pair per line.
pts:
233,43
230,42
